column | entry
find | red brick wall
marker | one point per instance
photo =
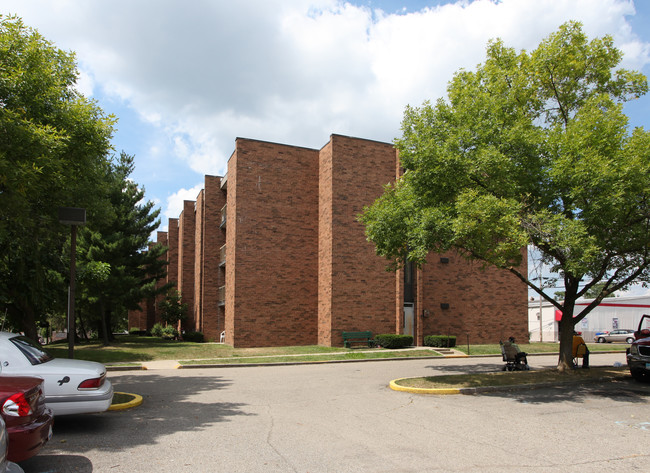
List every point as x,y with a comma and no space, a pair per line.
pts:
487,305
231,248
210,238
362,292
186,252
275,231
172,252
161,239
325,247
198,262
138,318
298,267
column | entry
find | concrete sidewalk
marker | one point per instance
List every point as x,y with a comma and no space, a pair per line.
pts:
161,365
437,353
214,362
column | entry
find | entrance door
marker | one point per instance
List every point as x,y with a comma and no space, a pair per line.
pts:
409,320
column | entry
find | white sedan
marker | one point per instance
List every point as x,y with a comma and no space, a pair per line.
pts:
71,386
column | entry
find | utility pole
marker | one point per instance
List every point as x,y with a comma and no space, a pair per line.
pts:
541,325
73,217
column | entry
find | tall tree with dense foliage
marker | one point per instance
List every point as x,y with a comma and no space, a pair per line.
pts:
529,149
172,308
119,239
54,152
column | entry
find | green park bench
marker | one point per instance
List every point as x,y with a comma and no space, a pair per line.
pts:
358,337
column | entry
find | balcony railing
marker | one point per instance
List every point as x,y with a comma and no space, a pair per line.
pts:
223,216
222,256
222,295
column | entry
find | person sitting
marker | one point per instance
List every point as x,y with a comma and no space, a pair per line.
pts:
520,356
580,350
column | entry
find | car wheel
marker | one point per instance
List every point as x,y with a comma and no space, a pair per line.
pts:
629,340
640,375
601,340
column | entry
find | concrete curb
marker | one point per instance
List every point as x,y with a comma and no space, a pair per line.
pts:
125,368
136,401
490,389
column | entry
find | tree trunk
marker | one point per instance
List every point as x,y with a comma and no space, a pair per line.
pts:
109,325
82,326
28,318
567,327
102,324
565,361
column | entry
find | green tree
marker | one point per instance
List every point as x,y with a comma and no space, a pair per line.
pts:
54,150
172,308
119,238
92,277
529,149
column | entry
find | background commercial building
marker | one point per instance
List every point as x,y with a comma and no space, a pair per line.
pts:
612,313
273,254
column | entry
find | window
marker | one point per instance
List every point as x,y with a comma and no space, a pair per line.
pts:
32,351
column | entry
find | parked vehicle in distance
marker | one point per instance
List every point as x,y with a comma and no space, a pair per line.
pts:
6,466
638,354
28,420
619,335
71,386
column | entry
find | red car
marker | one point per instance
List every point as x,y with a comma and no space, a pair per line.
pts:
638,355
28,420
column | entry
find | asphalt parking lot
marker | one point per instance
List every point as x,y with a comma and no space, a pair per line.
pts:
344,418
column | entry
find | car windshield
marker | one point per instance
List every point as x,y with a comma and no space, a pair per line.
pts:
32,351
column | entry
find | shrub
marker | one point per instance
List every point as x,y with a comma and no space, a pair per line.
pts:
441,341
169,332
393,340
196,337
134,331
172,308
157,330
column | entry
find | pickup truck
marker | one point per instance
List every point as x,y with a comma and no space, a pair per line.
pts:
638,354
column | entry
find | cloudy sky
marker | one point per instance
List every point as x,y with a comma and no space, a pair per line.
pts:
185,78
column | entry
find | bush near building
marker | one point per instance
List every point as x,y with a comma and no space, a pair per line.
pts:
392,340
441,341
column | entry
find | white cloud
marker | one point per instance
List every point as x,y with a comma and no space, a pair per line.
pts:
175,200
205,72
85,83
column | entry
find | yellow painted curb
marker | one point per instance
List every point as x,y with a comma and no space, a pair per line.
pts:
136,401
396,387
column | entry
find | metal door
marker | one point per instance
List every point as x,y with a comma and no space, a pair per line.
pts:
409,320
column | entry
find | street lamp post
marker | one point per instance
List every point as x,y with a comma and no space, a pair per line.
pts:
74,217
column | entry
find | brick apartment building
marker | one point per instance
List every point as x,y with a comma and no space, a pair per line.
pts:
273,254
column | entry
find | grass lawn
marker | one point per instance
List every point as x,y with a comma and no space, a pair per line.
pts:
131,348
512,378
495,349
137,349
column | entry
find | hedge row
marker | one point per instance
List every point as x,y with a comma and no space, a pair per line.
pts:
441,341
392,340
196,337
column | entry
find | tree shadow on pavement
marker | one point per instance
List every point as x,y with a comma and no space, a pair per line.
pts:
624,389
171,404
454,368
57,464
619,390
